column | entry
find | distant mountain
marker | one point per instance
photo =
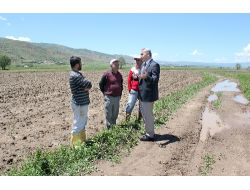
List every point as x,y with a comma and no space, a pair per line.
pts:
202,64
44,53
26,52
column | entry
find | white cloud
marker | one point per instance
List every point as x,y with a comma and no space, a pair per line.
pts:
196,53
244,55
3,19
21,38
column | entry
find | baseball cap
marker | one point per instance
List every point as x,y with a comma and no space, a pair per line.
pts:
113,60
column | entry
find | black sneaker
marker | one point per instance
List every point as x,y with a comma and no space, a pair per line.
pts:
147,138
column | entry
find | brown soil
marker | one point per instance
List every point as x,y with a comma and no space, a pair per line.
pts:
35,110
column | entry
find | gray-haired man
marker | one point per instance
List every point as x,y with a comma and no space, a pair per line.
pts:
148,91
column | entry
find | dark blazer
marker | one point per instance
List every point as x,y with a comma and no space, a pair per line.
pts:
148,88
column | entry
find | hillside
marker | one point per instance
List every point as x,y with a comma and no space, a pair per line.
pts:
43,53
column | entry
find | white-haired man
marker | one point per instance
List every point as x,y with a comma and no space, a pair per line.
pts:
148,91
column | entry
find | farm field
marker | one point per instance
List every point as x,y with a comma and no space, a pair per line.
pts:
35,109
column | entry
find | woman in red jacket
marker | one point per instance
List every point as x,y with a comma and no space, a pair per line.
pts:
133,88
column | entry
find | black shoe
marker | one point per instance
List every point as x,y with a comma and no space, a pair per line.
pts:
147,138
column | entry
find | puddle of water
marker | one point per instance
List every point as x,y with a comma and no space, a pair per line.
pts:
212,98
211,124
241,99
225,86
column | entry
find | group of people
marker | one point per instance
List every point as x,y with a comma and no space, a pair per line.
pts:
143,81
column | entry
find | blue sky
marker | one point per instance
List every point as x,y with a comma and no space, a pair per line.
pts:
171,37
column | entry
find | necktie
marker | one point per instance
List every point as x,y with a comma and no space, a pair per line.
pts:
143,68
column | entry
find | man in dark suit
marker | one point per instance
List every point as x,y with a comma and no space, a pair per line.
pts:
148,91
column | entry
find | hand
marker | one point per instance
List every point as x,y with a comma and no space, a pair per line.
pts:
135,76
143,76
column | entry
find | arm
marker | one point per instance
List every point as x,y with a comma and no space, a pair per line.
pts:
129,80
102,83
83,82
155,74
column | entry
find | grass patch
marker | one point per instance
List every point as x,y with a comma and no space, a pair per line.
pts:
90,66
242,76
217,104
244,79
68,161
106,145
208,161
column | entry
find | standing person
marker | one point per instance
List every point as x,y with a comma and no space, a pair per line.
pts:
111,85
148,91
80,87
133,88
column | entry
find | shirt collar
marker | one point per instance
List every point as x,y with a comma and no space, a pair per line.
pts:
147,62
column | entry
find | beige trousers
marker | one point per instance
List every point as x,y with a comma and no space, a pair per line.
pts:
148,117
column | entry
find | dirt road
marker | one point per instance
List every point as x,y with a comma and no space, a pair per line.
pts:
202,138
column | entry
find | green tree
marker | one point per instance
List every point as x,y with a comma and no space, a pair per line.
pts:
238,66
4,61
121,62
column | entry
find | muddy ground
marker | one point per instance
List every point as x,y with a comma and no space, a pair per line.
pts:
200,139
35,110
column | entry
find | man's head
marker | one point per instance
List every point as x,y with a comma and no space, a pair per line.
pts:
76,63
114,64
146,54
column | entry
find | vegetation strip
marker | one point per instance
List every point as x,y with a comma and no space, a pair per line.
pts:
107,145
243,77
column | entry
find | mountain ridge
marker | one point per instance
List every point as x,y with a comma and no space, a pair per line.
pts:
45,53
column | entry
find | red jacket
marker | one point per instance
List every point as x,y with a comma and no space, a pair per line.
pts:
133,81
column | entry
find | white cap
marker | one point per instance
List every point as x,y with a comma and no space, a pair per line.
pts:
113,60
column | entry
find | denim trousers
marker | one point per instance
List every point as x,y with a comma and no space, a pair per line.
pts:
132,98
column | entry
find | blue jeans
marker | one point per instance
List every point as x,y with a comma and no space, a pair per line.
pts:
132,97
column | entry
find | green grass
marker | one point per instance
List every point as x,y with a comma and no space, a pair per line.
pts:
92,66
208,161
217,104
244,78
106,145
68,161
